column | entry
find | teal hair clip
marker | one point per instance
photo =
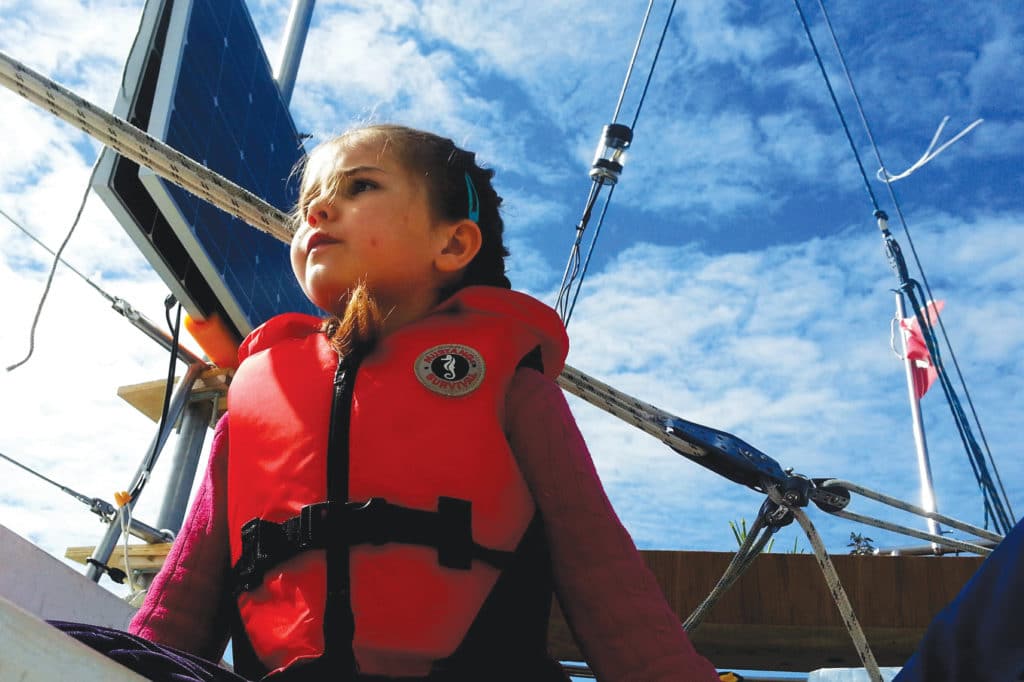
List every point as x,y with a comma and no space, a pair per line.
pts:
473,199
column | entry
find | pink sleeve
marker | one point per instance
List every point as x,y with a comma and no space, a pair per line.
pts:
617,613
184,607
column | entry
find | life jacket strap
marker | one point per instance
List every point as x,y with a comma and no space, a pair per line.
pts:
376,522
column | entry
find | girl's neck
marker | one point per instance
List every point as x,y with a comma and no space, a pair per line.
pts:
399,315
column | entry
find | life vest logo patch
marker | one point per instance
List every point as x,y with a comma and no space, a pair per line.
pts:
450,369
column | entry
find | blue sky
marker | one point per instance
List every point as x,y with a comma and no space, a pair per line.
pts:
739,280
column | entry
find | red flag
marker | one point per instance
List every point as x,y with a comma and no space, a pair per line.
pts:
917,351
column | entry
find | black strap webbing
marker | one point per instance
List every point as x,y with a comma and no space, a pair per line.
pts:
339,622
377,521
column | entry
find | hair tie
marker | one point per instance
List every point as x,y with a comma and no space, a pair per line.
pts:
473,199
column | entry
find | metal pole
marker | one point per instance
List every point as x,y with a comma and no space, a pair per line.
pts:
185,462
147,327
294,41
179,400
924,467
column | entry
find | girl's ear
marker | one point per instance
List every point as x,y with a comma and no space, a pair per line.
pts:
462,242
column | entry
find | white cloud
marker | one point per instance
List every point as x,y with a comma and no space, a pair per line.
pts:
714,36
789,349
999,68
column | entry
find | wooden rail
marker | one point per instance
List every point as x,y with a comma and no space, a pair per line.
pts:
780,616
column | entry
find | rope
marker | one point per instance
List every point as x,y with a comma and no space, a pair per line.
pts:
750,548
125,517
646,417
53,270
651,420
957,545
929,153
835,586
175,167
147,468
144,149
190,175
912,508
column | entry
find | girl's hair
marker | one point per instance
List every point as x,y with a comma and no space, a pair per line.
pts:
444,168
358,329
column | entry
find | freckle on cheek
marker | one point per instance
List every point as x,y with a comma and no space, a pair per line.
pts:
373,242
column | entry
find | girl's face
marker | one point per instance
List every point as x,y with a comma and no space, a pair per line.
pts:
376,227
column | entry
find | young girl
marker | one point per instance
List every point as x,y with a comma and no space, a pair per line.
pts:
399,490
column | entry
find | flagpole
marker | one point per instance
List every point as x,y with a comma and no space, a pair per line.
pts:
924,467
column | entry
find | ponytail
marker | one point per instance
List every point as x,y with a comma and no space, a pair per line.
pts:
359,328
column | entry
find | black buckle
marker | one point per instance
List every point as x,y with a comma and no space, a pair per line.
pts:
455,533
314,526
262,541
369,522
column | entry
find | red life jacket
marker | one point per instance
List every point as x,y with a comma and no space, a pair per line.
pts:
426,421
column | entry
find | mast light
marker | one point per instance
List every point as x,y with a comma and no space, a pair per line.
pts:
611,153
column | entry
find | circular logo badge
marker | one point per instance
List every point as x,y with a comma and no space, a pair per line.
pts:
450,369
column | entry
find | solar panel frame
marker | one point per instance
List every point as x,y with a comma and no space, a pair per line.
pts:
116,181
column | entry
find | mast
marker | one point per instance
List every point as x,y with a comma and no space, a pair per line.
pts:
294,41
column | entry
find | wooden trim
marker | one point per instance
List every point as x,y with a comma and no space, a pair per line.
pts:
141,556
148,397
780,616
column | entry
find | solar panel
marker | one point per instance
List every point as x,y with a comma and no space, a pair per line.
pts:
217,102
199,80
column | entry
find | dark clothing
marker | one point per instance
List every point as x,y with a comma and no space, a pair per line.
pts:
159,663
153,661
976,636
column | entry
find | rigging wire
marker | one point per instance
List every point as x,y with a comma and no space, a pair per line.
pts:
950,392
147,468
605,170
632,61
654,62
993,504
839,109
27,233
590,252
120,305
100,507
